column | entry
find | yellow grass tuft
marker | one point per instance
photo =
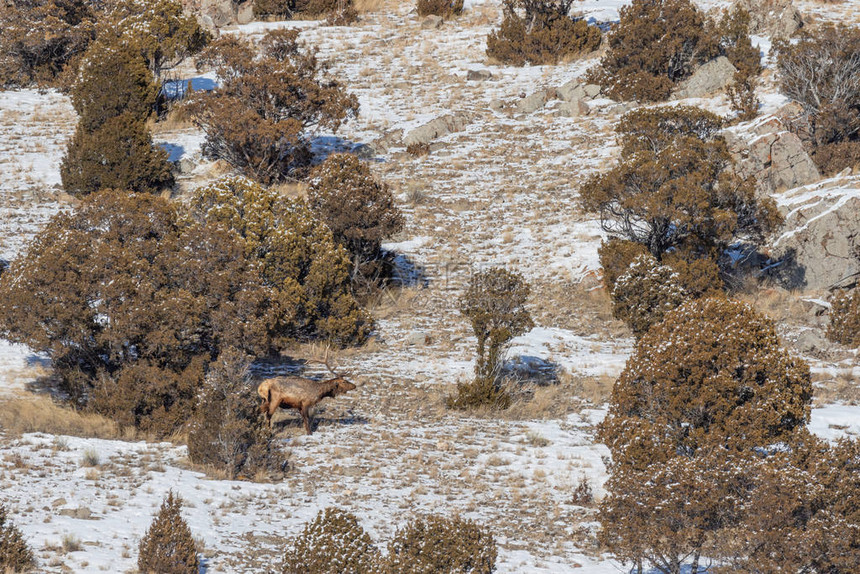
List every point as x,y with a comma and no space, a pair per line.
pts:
40,414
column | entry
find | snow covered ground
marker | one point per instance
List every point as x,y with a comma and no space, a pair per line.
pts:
503,191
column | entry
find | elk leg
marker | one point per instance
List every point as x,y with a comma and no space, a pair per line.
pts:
306,419
270,411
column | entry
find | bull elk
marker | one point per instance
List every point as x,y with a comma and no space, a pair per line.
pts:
300,393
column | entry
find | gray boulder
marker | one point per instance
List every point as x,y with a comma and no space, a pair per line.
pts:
572,109
591,90
478,75
382,144
534,102
764,149
710,78
821,234
81,513
219,11
245,12
436,128
432,22
772,18
570,91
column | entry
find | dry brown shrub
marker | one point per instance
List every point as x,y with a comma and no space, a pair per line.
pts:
431,544
844,325
263,115
333,543
540,32
168,547
15,554
444,8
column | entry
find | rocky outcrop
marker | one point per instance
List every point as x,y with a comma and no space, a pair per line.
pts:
478,75
432,22
573,96
767,151
821,234
574,90
215,14
708,79
534,102
436,128
772,18
572,109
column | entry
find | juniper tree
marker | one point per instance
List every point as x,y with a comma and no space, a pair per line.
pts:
65,29
332,543
674,191
706,389
359,210
495,305
168,547
540,32
263,114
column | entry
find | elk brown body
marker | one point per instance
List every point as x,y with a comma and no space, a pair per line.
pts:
298,393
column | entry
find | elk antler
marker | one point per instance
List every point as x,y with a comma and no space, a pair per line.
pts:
325,362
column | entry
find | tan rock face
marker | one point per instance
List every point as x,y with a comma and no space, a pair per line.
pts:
821,234
710,78
766,150
772,18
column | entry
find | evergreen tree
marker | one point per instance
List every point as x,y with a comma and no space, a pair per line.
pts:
168,547
359,211
15,554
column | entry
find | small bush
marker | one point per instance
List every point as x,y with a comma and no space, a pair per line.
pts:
333,543
645,293
444,8
583,494
540,32
615,256
91,458
359,211
432,544
168,547
227,430
65,29
15,554
844,325
477,393
832,158
495,305
819,70
263,115
118,155
418,149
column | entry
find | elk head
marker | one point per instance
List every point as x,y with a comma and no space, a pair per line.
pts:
341,384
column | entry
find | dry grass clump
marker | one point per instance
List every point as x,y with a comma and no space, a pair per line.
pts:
40,414
364,6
